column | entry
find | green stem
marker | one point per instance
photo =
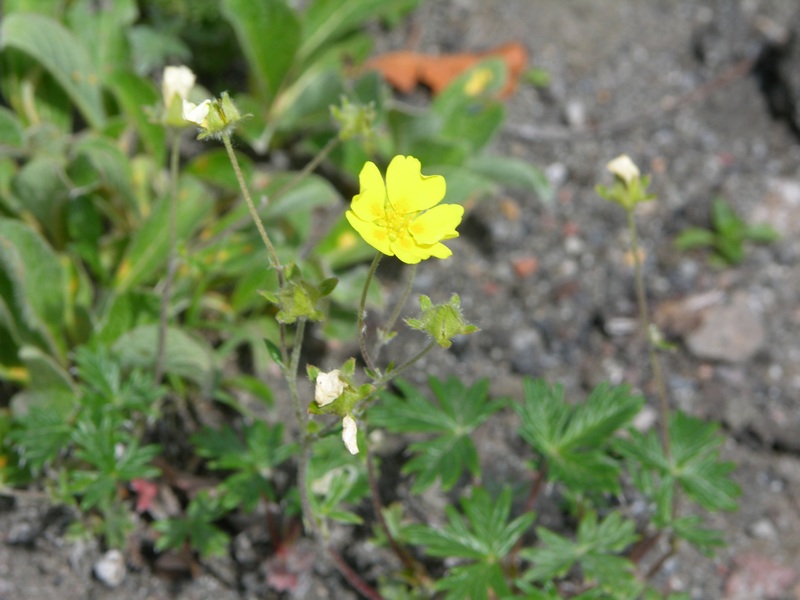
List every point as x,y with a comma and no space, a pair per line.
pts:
275,261
360,327
163,321
310,167
397,309
394,373
644,315
291,375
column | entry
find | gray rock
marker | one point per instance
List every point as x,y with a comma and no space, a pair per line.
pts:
111,569
732,333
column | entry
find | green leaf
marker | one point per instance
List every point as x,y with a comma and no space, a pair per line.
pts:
109,164
694,237
511,172
40,187
761,234
148,251
67,60
458,412
336,479
269,34
595,550
32,286
575,439
185,356
196,528
40,436
483,534
99,31
693,461
725,221
133,93
12,135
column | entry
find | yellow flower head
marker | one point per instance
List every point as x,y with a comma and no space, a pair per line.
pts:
400,218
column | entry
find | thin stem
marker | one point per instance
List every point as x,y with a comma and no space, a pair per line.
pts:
276,263
387,377
289,185
291,376
644,315
362,331
536,489
402,553
161,348
310,167
397,309
353,578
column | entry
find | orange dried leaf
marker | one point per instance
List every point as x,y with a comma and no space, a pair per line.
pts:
405,70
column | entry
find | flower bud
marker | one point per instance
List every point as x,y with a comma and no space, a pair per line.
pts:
624,168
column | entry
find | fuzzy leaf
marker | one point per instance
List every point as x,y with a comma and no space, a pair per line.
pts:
57,49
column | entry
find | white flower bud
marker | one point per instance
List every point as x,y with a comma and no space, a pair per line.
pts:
349,434
624,168
197,113
329,387
177,81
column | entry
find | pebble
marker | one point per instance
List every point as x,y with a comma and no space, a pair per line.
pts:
110,569
763,529
732,333
22,533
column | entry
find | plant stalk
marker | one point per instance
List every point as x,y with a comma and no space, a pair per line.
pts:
644,315
163,320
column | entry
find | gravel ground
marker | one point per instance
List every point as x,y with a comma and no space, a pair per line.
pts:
706,96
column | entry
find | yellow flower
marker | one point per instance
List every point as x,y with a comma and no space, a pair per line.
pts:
401,218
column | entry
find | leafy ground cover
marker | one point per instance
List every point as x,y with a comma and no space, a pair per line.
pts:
550,286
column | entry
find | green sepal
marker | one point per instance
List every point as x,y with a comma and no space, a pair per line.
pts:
627,195
441,321
298,298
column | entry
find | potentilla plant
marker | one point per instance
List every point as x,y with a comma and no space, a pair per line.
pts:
579,448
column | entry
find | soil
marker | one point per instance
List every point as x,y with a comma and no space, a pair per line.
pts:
704,95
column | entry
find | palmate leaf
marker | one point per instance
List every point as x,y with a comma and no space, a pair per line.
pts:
459,411
482,534
251,455
693,462
574,440
596,550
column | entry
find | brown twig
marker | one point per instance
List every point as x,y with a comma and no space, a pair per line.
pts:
353,578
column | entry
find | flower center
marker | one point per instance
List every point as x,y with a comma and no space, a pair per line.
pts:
397,225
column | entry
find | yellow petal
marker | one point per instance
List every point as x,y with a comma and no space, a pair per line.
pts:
408,190
369,204
409,252
375,235
437,224
440,251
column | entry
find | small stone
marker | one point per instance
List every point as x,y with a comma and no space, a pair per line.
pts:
755,576
732,333
110,569
763,529
22,533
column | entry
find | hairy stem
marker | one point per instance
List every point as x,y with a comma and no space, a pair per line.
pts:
163,320
274,260
310,167
360,327
397,309
644,315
